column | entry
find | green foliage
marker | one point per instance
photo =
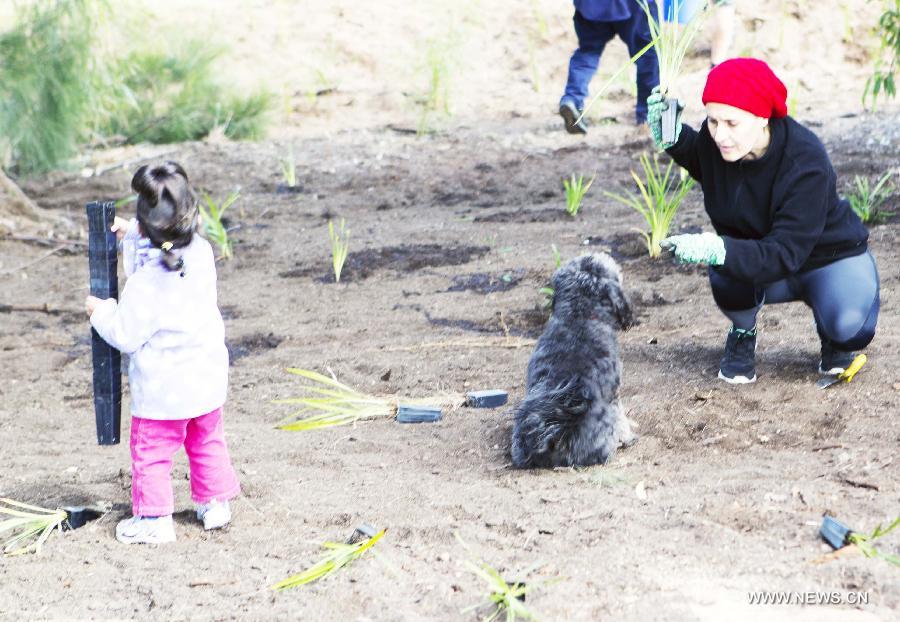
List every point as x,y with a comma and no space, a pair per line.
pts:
882,78
867,200
864,542
339,555
575,190
33,524
172,96
212,222
340,247
61,89
657,200
47,74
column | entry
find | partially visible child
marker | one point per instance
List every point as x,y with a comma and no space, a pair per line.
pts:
596,23
168,321
721,23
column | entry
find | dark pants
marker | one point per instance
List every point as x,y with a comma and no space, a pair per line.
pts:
844,297
593,37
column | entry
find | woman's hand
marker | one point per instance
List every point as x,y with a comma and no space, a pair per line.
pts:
656,105
120,227
91,303
704,247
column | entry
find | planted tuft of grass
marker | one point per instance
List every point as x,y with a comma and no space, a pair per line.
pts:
867,200
212,222
575,190
340,247
289,170
658,200
505,599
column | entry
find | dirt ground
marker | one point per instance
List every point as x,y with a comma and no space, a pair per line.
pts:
451,241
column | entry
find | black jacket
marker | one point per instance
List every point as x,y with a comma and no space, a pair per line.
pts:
778,215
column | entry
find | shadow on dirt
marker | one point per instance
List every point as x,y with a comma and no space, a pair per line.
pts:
251,344
520,323
524,215
483,283
404,258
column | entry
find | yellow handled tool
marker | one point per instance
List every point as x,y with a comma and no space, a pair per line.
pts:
846,375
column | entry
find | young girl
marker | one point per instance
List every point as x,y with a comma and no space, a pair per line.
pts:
168,322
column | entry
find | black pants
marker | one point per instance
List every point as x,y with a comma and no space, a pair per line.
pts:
844,297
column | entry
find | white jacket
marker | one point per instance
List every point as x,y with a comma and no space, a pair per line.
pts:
171,327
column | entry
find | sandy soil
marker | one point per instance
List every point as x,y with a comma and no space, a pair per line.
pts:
451,236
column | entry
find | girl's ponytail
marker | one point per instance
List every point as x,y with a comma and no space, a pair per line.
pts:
166,210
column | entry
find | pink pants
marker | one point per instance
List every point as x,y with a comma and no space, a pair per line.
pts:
153,445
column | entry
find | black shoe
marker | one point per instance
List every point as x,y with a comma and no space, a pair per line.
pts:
738,366
834,361
570,114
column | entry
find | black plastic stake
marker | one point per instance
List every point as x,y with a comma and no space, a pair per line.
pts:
102,257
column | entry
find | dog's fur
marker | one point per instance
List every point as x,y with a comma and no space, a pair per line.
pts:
570,415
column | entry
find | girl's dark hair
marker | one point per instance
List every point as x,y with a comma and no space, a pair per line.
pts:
166,209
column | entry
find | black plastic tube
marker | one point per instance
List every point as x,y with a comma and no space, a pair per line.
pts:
102,258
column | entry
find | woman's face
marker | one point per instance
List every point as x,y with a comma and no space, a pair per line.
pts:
737,132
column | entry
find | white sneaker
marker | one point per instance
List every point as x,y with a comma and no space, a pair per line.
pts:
145,530
215,514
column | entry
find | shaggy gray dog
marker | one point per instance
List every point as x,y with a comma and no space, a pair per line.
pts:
570,415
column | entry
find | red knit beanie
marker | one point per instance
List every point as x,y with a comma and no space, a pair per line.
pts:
748,84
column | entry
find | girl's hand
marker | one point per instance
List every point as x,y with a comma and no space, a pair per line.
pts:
91,303
120,227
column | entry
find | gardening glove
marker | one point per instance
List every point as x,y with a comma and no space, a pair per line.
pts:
697,248
656,104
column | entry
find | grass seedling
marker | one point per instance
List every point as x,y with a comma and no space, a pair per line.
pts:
575,191
882,78
289,170
557,257
864,542
212,222
340,246
547,292
339,555
867,200
672,41
330,403
507,600
33,524
658,200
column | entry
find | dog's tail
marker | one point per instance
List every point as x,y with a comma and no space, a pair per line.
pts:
563,426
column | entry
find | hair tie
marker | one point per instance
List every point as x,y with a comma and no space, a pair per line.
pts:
166,246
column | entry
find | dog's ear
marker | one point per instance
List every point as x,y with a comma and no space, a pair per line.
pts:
620,305
562,279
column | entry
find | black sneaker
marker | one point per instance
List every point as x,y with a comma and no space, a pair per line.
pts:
738,366
570,114
834,361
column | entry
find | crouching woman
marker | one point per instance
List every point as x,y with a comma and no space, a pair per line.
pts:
782,233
